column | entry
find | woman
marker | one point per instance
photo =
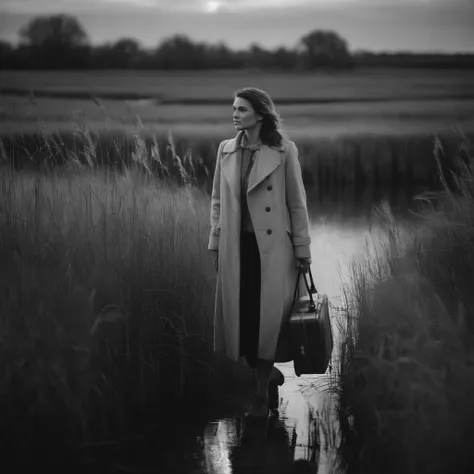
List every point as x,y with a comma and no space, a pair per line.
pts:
260,236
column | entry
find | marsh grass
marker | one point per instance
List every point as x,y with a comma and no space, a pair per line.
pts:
406,359
109,149
106,301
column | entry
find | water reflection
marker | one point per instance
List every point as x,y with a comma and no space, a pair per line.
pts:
294,439
265,446
342,226
219,438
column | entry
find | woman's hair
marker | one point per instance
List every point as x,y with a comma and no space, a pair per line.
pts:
263,106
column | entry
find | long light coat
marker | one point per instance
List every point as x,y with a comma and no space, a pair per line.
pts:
277,204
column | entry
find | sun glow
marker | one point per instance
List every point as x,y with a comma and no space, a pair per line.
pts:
212,6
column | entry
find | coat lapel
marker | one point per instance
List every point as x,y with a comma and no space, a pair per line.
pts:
269,158
230,165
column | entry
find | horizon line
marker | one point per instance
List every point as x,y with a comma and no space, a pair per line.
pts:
147,48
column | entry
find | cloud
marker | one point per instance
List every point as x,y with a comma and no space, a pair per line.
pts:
78,6
71,6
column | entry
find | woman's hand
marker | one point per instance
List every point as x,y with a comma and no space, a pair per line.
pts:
303,264
216,259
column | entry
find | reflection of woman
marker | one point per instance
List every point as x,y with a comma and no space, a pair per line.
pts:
260,233
265,446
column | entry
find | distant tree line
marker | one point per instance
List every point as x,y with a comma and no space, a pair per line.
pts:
60,42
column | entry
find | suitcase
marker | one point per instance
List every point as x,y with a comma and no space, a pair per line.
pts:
310,331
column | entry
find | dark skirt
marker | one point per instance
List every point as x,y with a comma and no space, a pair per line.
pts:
250,282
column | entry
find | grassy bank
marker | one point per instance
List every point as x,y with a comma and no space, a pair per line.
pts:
327,163
407,361
106,308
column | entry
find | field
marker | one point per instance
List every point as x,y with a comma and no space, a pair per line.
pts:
219,85
380,102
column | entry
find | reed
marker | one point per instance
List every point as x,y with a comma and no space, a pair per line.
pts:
327,163
106,301
405,368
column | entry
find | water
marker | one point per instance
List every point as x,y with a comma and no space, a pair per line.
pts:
233,445
343,227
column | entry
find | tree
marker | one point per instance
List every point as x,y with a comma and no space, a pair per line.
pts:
126,53
219,56
7,55
127,47
284,58
55,41
258,57
61,30
180,52
323,48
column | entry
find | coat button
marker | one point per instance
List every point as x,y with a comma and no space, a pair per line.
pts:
267,209
269,231
269,187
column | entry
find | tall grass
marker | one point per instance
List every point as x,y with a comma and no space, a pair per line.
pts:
106,303
406,367
327,163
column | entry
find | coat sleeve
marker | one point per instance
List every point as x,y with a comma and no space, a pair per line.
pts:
296,202
216,203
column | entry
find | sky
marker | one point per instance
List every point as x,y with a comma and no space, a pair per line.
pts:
375,25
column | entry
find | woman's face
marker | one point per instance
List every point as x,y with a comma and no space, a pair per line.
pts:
244,115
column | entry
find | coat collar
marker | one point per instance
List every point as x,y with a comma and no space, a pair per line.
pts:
269,158
234,144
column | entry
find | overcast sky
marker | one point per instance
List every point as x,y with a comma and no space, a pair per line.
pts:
415,25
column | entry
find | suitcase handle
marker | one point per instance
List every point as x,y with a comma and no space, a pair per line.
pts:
311,291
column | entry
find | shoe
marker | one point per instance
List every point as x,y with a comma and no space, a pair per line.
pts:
277,377
258,407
